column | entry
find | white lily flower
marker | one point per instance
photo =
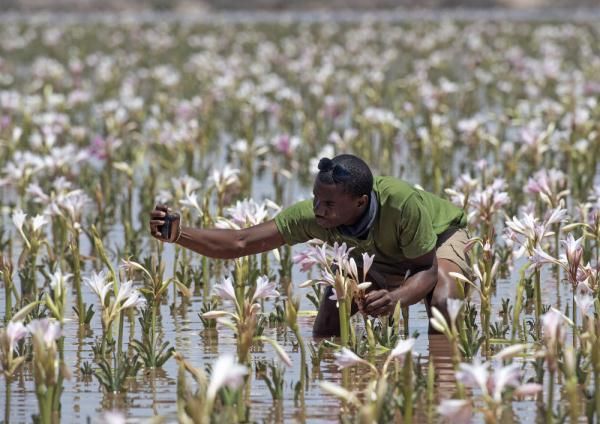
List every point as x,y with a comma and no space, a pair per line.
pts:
191,200
307,283
364,286
45,330
540,258
454,307
585,300
99,284
476,373
367,262
225,178
38,222
553,326
128,296
508,376
264,288
216,314
15,332
58,281
225,290
402,348
346,358
557,215
459,276
186,184
438,321
510,351
352,269
19,219
225,372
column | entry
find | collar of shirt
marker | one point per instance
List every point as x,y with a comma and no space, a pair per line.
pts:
361,228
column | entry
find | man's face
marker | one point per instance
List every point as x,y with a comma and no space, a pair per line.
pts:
333,207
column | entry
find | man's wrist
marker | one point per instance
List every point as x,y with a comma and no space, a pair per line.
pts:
396,295
179,232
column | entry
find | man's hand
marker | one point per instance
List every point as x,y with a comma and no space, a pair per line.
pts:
157,220
379,302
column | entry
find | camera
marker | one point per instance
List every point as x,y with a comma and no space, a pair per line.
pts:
165,229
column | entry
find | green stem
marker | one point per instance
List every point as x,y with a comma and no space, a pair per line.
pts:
597,394
241,404
405,317
538,303
153,334
550,403
47,414
205,279
56,391
120,341
574,304
7,298
430,389
344,333
485,323
77,278
7,404
408,384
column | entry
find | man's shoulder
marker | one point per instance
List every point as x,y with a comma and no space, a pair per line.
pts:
392,191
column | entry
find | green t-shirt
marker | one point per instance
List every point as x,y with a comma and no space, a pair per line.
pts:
406,226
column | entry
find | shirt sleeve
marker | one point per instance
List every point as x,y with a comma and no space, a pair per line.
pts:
297,223
416,234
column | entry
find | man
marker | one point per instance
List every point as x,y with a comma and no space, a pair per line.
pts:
417,238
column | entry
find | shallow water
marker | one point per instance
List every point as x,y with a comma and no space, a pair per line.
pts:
155,393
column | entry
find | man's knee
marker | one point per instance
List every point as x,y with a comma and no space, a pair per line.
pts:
438,302
446,287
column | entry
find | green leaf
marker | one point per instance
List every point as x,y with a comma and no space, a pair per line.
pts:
24,311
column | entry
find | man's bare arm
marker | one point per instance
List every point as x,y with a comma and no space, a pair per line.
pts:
230,244
413,290
219,243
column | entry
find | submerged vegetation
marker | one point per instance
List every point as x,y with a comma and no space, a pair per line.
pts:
226,122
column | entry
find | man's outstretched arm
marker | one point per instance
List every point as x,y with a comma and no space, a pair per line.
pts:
221,243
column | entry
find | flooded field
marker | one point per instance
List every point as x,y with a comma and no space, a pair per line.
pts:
225,120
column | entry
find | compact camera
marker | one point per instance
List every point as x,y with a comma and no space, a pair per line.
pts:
165,229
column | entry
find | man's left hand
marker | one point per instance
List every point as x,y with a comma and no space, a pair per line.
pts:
379,302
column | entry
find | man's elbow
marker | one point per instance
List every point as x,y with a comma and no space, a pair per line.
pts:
230,247
238,247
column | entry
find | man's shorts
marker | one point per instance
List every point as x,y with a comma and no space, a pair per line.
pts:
450,246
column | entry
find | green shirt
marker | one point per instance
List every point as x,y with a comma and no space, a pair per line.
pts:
407,224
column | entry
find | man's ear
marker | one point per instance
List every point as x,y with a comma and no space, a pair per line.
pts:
363,200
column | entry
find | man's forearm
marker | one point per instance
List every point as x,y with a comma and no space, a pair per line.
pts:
231,244
214,243
416,287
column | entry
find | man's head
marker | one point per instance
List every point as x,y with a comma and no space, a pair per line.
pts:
341,191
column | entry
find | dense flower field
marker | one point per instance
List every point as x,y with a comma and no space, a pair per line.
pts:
226,122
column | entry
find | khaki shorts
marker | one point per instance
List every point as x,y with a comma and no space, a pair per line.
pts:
450,246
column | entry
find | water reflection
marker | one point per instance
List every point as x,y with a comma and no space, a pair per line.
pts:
154,393
440,352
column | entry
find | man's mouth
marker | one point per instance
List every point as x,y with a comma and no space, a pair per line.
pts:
321,221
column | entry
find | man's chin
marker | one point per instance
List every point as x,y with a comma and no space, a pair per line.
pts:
325,224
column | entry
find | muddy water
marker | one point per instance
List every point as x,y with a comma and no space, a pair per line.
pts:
155,393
